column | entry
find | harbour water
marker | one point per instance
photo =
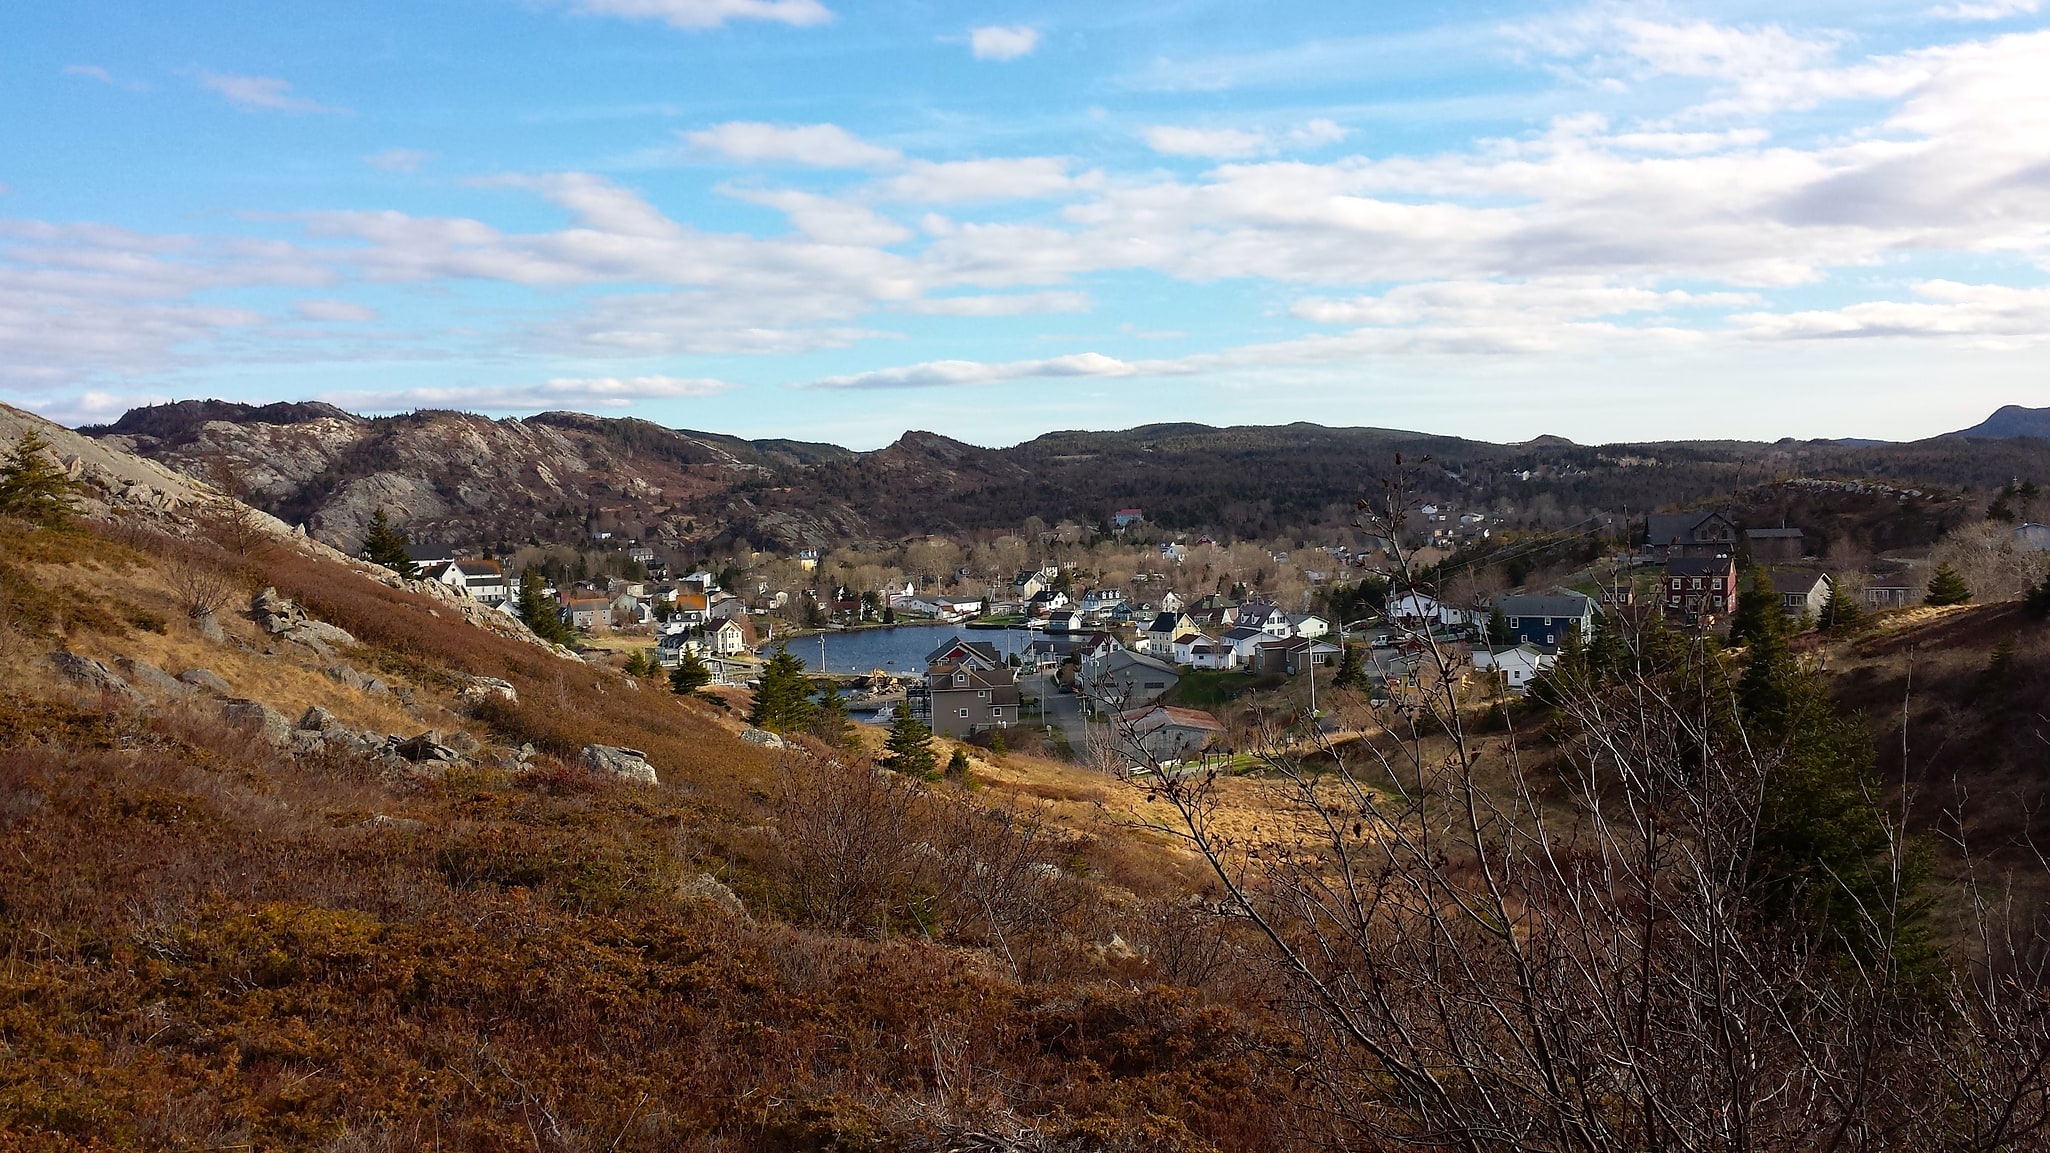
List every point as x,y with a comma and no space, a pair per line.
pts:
900,650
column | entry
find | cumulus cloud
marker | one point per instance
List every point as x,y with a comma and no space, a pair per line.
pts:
333,311
691,15
399,159
261,93
1003,42
560,392
1007,178
1986,10
1988,315
815,145
1007,304
828,220
955,373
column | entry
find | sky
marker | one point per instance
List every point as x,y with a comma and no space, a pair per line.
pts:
836,221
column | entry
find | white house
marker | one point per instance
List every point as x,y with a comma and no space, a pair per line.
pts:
1310,625
1416,609
1245,640
1205,653
1518,664
727,638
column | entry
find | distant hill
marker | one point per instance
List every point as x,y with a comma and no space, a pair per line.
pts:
559,477
2010,420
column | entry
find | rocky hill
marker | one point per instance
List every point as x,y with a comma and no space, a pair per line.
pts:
557,477
2011,420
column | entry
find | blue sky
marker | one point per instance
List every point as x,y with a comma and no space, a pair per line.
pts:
837,221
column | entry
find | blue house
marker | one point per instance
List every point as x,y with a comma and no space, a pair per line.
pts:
1544,620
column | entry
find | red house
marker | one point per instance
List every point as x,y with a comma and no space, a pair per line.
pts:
1701,589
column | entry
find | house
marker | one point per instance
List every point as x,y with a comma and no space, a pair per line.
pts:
1202,652
1700,589
1125,518
961,701
1127,679
670,647
1891,596
1162,734
482,579
1768,545
1244,639
2032,537
1267,618
589,613
1291,656
1545,620
728,638
1669,535
976,655
1046,601
1172,603
1167,627
640,554
1097,602
1309,625
1802,594
1418,610
1517,665
427,554
1064,621
807,559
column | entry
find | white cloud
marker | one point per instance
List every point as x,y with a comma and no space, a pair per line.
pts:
399,159
827,220
338,311
1209,142
265,93
1986,10
1236,143
89,71
1008,178
816,145
561,392
954,373
1009,304
1987,315
1551,301
1003,42
696,14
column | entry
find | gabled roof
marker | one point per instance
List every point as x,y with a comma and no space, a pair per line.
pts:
1663,528
977,652
1126,658
420,552
1694,566
1800,581
1165,623
1572,605
1145,720
1773,533
1243,633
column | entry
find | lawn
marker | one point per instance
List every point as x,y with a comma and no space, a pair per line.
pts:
1207,688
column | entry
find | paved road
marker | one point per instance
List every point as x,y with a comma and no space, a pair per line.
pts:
1063,710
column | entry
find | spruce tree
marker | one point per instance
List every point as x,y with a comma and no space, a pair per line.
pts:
1352,669
1758,610
2038,599
537,610
1947,587
32,486
957,765
1840,613
910,747
1498,628
783,703
829,721
689,675
386,545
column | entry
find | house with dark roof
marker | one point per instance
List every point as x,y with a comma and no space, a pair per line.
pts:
961,700
1669,535
1166,628
1802,593
1126,680
428,554
1770,545
961,651
1544,621
1163,734
1700,590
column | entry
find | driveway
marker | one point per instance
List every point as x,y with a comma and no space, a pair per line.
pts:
1062,710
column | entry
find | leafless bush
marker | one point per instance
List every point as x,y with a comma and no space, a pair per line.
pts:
203,585
228,522
850,832
1002,875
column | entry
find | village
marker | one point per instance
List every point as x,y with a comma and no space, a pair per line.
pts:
1140,642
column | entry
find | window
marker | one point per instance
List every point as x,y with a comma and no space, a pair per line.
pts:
1696,584
963,714
996,714
1550,640
982,694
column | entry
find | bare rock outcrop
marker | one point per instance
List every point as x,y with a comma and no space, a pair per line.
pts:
94,677
630,764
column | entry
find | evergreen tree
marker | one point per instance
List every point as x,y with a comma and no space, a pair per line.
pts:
1758,610
689,675
829,721
1352,669
910,747
997,744
537,610
783,703
637,664
1498,628
957,765
1947,587
386,545
1840,613
32,486
2038,599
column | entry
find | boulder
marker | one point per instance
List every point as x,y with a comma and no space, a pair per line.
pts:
267,722
152,679
425,748
209,628
477,690
204,679
94,677
632,764
319,720
310,631
762,737
707,889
